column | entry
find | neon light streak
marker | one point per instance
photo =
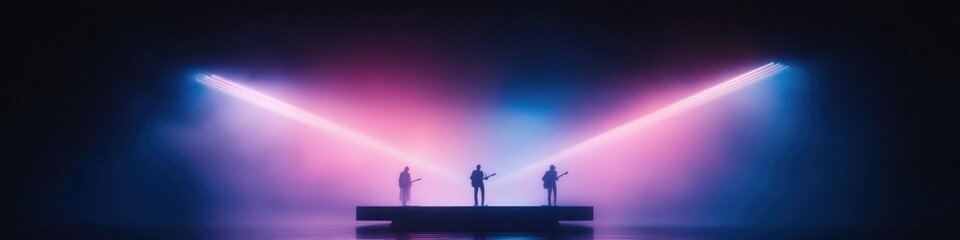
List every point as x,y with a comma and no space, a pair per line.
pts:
684,105
253,96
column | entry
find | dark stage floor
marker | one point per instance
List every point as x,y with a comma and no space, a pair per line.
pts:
360,230
564,231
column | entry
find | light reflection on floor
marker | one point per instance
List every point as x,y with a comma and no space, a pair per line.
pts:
565,231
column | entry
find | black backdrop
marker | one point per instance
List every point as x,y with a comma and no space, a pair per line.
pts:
89,77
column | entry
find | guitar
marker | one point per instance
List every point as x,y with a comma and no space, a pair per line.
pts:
554,181
411,182
479,183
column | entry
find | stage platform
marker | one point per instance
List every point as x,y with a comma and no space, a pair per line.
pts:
490,217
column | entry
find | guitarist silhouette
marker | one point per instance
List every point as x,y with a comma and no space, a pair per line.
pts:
550,183
405,185
476,180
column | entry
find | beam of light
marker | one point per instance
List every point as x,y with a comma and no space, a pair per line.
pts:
638,124
260,99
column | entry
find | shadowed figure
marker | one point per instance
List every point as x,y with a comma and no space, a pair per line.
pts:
550,183
405,185
476,180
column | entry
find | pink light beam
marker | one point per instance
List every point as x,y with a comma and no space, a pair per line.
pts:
638,124
260,99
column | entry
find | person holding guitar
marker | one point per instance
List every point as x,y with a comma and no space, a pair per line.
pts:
550,183
405,185
476,180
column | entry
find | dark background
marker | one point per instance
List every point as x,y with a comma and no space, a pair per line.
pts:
89,77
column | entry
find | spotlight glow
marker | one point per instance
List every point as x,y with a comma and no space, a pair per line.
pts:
260,99
253,96
684,105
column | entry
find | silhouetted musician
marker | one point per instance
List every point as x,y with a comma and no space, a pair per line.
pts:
405,185
476,180
550,183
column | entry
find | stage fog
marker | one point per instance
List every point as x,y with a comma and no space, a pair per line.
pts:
710,165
